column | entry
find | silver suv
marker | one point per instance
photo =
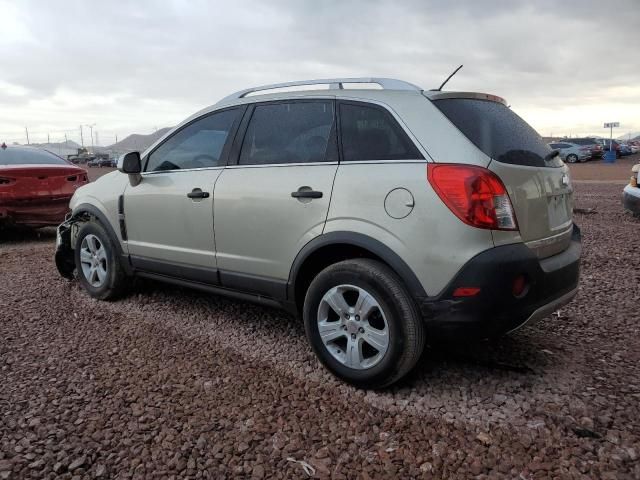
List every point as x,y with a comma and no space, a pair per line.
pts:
385,217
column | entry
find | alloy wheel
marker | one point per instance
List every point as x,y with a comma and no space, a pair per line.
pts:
353,327
93,258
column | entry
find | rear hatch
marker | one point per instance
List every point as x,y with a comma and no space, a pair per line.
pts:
538,183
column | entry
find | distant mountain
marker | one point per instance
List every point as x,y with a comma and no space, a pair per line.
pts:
54,145
137,141
59,148
633,135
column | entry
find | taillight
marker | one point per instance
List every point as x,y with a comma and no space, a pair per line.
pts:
474,194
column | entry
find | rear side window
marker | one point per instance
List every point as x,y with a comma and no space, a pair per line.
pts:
29,156
371,133
198,145
296,132
496,130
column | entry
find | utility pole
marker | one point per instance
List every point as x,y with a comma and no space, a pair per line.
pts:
81,137
48,140
91,129
27,132
97,141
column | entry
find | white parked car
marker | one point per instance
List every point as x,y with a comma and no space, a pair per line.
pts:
572,152
382,217
631,193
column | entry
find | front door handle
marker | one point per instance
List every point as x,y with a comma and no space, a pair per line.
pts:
197,193
306,194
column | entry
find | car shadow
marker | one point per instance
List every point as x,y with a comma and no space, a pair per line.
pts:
526,356
15,234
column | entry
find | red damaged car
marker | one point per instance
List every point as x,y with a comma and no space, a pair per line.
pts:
36,186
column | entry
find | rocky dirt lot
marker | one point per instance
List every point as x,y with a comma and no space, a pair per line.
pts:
169,383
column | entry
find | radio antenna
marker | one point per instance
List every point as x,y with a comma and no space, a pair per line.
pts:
448,78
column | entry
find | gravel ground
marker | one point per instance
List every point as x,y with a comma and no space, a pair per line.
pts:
170,383
599,171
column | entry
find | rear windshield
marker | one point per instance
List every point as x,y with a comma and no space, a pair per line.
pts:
496,130
28,156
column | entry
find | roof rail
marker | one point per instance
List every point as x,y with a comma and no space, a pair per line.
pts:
334,84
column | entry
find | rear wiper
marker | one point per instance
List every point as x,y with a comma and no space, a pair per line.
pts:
552,155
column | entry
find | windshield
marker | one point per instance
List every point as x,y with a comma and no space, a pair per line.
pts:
498,131
29,156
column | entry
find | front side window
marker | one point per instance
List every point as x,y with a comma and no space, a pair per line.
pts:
296,132
198,145
371,133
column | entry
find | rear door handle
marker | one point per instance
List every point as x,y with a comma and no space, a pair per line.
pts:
198,193
306,194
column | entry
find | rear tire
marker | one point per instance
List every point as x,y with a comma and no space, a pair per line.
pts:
372,332
572,158
97,264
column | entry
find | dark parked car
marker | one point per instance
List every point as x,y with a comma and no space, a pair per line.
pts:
606,145
625,149
105,162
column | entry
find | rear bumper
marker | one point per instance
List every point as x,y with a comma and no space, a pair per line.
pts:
551,283
631,199
35,213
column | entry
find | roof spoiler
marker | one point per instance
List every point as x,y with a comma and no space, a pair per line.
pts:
436,95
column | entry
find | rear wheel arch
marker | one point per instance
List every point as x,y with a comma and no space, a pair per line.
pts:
335,247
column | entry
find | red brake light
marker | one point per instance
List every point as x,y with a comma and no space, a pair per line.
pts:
466,292
474,194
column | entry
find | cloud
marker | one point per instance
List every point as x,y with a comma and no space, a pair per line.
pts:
131,66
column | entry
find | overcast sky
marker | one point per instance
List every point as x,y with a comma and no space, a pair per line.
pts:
131,66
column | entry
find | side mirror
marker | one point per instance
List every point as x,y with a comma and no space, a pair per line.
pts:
131,164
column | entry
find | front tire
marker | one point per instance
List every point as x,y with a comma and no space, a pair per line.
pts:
362,323
572,158
97,264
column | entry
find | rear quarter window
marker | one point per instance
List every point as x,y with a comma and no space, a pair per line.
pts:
370,133
498,131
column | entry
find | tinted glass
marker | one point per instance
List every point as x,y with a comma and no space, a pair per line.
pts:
370,133
297,132
496,130
198,145
29,156
583,141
